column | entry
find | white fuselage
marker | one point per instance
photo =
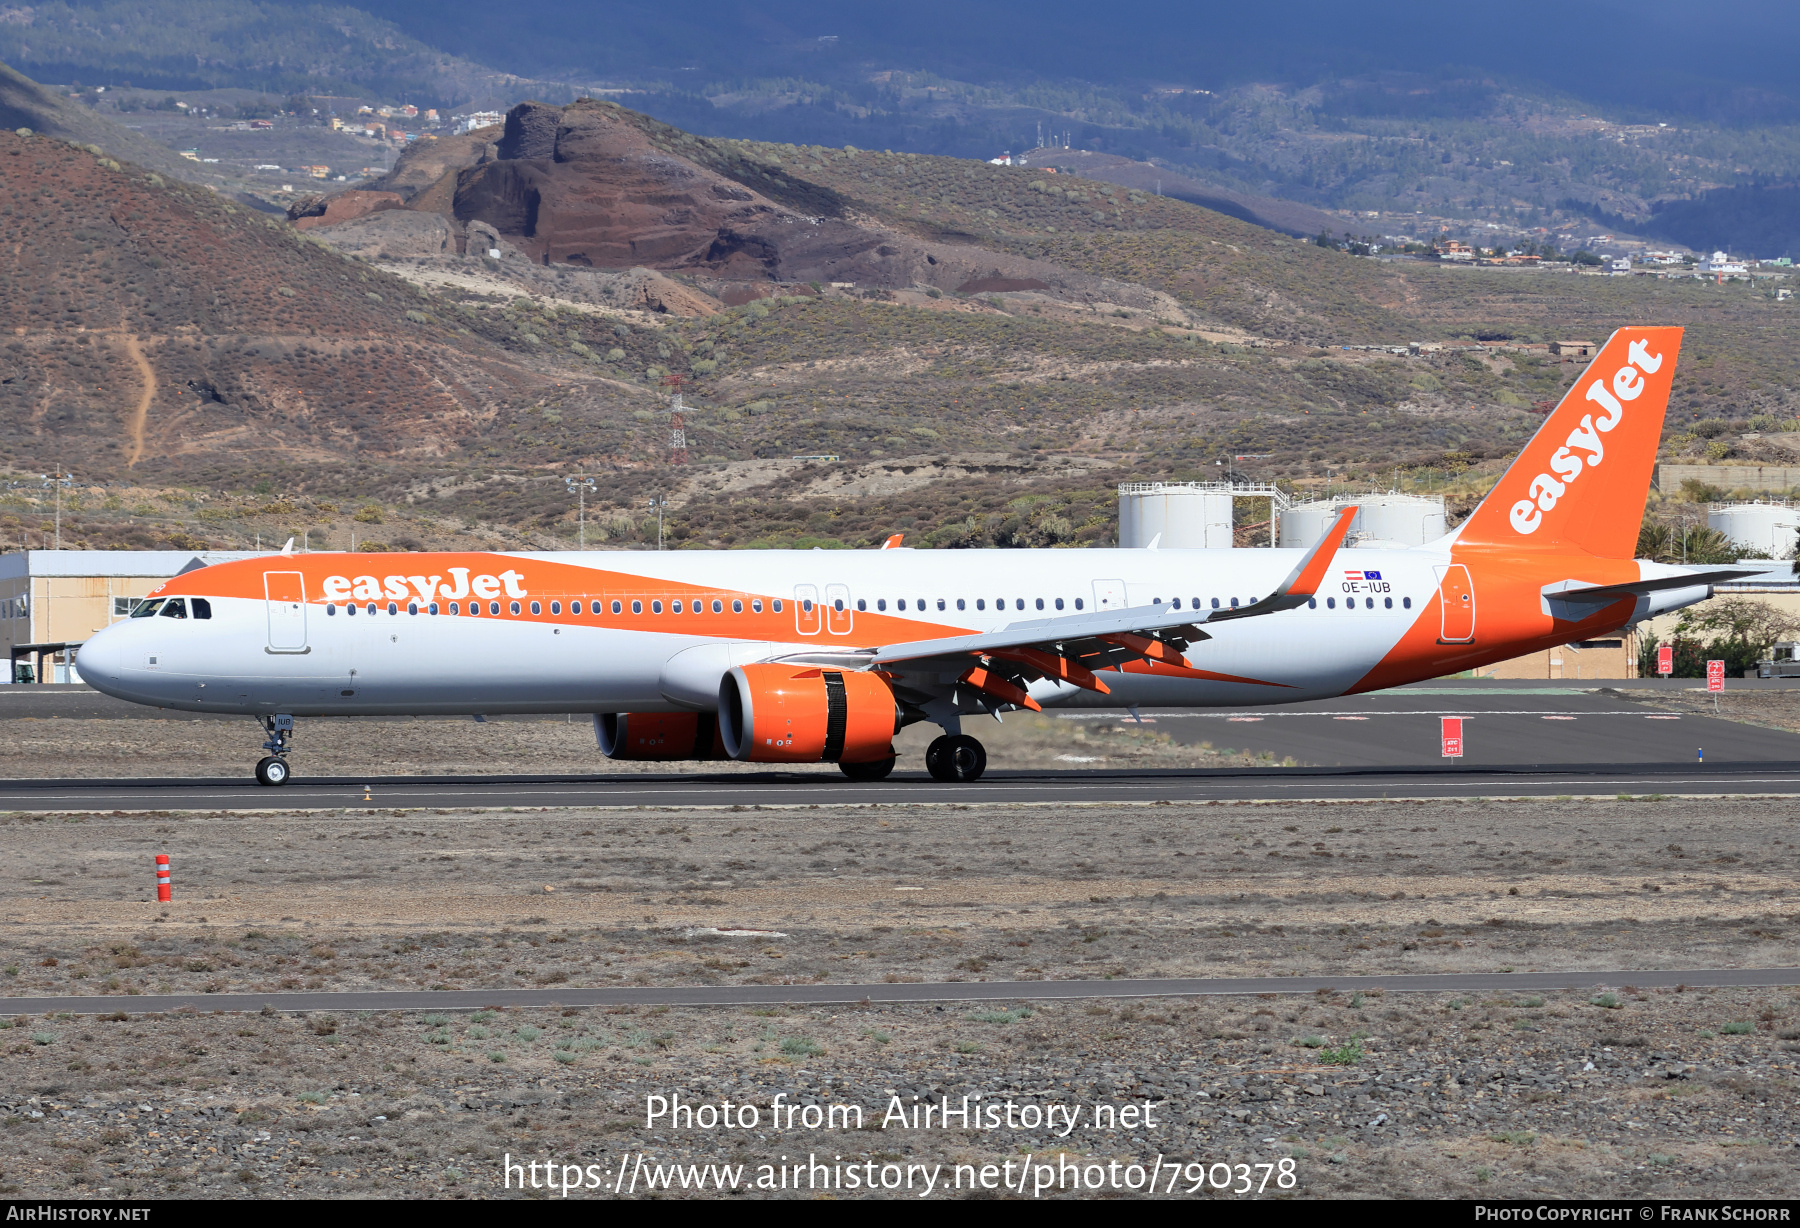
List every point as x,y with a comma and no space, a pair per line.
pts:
333,662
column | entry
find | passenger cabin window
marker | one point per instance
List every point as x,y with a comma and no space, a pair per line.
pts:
432,608
718,606
147,608
959,603
616,607
737,607
1078,603
674,606
1312,603
776,605
515,608
637,607
655,607
980,603
575,607
1406,602
756,605
556,607
1040,603
538,609
880,603
1059,603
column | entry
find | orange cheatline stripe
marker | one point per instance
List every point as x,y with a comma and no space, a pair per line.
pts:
1308,581
1171,671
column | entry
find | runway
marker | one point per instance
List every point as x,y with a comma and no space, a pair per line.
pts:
1520,740
907,788
947,991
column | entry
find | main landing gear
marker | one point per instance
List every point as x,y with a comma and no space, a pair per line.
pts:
272,769
956,757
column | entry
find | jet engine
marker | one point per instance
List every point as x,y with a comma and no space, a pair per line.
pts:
802,714
658,735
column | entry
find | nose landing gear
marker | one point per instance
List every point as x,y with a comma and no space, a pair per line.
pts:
956,757
273,769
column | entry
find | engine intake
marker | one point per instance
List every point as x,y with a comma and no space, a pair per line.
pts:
658,735
789,714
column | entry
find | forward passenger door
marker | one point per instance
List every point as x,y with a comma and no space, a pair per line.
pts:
285,594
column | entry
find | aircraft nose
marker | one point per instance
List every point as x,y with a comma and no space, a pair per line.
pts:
101,661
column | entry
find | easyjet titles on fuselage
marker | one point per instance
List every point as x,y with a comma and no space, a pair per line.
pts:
425,588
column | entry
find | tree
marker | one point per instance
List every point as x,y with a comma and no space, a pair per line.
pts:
1737,630
1653,541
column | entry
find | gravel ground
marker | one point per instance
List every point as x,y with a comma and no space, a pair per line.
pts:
63,748
1689,1093
1769,708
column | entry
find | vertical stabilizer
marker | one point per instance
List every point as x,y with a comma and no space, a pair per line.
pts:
1582,480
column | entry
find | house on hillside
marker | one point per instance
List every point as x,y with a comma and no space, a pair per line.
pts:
478,119
1581,351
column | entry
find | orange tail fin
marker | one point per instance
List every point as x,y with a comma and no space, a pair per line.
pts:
1582,481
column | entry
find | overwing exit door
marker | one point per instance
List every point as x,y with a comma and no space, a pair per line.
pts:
1456,596
808,620
1109,595
838,615
285,593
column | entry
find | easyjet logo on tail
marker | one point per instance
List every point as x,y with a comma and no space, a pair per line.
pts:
1584,448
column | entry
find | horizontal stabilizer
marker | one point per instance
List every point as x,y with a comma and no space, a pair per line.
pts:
1605,594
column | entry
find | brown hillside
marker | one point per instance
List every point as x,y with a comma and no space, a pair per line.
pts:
589,185
153,321
26,104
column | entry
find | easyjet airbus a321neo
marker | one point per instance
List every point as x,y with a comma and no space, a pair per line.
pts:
822,656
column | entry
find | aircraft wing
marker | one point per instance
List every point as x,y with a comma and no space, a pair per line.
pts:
1002,663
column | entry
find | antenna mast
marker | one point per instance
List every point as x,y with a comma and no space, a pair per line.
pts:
677,428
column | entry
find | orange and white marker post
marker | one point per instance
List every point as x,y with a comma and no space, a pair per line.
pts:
163,894
1452,737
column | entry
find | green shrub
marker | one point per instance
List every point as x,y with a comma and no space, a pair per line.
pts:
1741,1027
801,1046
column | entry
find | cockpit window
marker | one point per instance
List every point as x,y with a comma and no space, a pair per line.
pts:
202,607
175,607
146,608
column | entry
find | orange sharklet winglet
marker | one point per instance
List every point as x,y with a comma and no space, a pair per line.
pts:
988,682
1307,582
1060,668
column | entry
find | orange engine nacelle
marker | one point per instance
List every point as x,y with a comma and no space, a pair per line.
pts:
788,714
658,735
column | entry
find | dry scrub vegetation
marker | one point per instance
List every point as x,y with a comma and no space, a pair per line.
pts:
1609,1091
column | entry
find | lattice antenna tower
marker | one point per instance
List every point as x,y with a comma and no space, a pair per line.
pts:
677,428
